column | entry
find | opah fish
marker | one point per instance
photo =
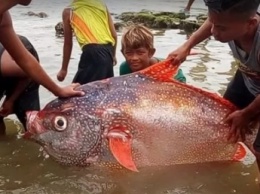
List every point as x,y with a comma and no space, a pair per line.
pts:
141,119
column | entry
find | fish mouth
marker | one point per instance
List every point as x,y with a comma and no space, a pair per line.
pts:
32,125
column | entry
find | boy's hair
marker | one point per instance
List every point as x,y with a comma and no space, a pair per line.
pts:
243,8
137,36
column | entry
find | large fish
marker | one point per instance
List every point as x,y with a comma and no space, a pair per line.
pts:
141,119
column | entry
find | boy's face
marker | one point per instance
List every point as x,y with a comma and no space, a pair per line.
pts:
227,27
138,58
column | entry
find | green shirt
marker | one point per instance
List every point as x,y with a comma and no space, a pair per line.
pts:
125,69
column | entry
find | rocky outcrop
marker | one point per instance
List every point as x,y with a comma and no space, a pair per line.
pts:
162,20
154,20
150,19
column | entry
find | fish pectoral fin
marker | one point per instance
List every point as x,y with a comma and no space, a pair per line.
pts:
121,147
243,154
162,71
118,131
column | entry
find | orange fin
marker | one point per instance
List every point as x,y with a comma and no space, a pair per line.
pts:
162,71
244,154
240,152
122,150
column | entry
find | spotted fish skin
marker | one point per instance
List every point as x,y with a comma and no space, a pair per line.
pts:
136,120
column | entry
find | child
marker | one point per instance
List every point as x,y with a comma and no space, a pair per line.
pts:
94,29
238,24
22,94
22,57
138,50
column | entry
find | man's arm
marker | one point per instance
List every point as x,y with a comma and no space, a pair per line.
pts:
27,62
68,35
113,32
67,44
201,34
180,54
253,109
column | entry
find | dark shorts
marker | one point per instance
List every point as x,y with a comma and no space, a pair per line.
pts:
96,63
28,100
238,94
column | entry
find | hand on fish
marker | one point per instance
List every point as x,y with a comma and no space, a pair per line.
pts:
239,122
179,55
69,91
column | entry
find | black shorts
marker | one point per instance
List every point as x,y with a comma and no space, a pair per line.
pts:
96,63
239,95
28,100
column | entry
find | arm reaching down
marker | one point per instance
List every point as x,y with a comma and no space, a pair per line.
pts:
179,55
27,62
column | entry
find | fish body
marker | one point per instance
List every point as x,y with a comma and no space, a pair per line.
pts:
141,119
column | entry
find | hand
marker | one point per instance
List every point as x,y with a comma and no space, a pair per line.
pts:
61,75
7,108
179,55
69,91
114,61
239,121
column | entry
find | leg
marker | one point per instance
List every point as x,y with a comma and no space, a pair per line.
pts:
190,2
2,126
29,100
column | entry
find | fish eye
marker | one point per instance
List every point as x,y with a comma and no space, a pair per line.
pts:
60,123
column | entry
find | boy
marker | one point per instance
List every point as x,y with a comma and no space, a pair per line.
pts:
237,23
95,32
22,57
22,94
138,50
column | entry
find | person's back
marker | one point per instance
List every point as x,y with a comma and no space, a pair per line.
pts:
138,50
21,56
89,21
21,93
93,27
248,63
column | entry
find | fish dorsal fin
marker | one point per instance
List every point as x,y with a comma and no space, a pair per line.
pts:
162,71
165,70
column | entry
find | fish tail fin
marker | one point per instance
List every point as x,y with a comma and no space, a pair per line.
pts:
163,71
243,154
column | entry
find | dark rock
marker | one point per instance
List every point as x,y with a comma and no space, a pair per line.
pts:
119,26
40,14
59,29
